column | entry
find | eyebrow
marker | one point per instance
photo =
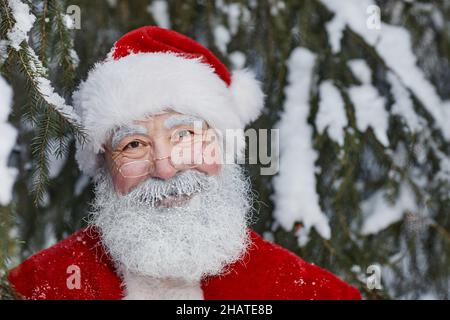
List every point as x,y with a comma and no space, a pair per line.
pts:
125,131
178,120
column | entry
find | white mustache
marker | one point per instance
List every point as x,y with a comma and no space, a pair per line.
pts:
152,191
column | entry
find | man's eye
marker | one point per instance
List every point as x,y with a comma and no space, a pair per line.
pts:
184,133
133,145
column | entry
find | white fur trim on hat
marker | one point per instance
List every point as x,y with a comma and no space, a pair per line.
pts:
116,92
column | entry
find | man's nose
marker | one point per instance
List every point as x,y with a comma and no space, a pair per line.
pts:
163,166
164,169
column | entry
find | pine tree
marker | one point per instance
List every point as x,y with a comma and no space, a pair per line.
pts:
368,132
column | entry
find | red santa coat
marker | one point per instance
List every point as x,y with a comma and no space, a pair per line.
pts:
267,271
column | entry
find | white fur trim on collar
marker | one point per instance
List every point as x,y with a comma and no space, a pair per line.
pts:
144,288
117,92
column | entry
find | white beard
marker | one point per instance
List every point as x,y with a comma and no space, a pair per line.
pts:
188,241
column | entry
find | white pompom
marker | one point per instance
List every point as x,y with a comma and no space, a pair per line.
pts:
248,95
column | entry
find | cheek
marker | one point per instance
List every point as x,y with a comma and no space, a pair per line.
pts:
124,185
210,169
212,160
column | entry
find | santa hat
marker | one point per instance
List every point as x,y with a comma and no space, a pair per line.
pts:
152,69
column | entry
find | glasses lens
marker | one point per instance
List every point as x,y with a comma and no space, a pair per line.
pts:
136,169
134,148
187,153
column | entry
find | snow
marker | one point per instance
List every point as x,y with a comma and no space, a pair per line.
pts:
112,3
360,70
400,60
403,105
24,23
221,5
369,105
370,111
335,30
438,19
8,135
74,57
276,7
222,38
237,59
331,114
430,295
3,50
380,213
268,236
234,11
295,196
5,100
56,100
68,21
403,62
160,12
444,163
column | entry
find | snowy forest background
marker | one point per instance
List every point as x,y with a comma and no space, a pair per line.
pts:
363,108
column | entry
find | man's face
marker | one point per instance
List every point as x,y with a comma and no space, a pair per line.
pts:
165,205
160,147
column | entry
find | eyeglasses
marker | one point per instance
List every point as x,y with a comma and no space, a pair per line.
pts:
135,158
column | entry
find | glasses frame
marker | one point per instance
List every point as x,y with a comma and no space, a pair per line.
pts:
120,168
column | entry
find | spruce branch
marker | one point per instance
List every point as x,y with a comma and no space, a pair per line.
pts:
40,150
50,121
64,45
42,31
8,249
36,75
6,292
48,112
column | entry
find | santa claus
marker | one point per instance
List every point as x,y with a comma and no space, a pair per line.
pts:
170,217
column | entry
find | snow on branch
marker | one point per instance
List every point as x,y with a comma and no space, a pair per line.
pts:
9,135
369,105
53,120
296,198
19,17
393,45
24,21
331,115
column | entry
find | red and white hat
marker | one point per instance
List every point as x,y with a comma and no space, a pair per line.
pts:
151,70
